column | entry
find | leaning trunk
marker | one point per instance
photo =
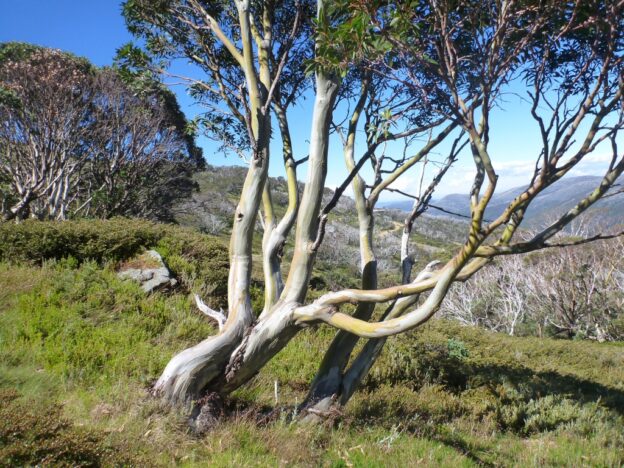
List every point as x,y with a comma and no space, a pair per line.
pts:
191,371
276,327
228,360
327,384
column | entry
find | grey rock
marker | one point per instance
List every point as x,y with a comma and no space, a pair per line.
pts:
151,279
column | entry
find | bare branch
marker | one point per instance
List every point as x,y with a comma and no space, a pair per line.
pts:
217,316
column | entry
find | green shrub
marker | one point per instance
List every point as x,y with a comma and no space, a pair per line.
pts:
199,262
431,404
551,412
86,326
456,349
116,239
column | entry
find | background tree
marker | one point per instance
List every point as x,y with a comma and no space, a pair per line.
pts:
76,140
573,293
43,127
140,160
454,60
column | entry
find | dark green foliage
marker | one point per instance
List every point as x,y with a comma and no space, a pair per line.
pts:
116,239
201,265
8,98
457,349
37,434
346,34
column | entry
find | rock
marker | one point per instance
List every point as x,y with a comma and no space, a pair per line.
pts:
149,270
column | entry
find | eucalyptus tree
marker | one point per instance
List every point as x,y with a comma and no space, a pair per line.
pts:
77,140
461,64
140,155
409,72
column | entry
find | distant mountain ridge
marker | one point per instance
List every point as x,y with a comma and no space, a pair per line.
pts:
551,203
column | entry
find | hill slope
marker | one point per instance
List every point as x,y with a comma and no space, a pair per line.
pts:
211,210
79,348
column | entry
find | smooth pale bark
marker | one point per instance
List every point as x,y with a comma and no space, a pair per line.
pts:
308,217
327,381
361,364
333,385
275,235
228,360
338,384
368,355
190,372
407,262
326,309
275,329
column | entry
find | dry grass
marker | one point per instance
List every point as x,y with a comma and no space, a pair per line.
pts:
15,280
143,261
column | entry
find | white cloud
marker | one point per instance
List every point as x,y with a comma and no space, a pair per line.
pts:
519,168
597,158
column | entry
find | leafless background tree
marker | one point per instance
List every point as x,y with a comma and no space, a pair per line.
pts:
570,292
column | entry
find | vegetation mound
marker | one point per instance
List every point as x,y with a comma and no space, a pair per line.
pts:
199,262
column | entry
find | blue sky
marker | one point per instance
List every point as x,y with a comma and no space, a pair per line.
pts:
95,29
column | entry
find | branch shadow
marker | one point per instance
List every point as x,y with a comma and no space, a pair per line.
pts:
495,381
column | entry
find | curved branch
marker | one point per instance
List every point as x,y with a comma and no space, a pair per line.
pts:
218,316
331,301
393,326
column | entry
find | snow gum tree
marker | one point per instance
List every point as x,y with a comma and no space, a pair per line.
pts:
424,75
